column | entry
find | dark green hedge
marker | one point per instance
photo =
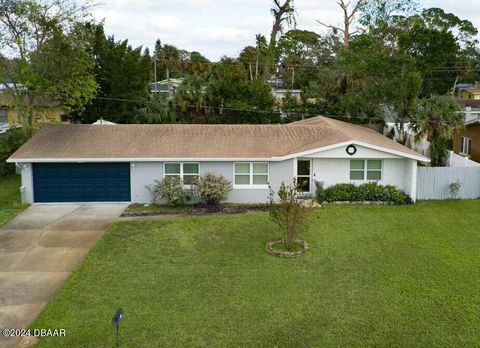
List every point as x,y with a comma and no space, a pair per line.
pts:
372,192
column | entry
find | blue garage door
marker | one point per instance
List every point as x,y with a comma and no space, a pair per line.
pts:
81,182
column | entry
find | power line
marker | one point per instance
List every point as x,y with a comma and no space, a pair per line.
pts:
219,108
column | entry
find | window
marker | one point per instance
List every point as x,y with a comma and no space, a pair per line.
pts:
3,116
303,175
250,174
366,170
466,146
185,171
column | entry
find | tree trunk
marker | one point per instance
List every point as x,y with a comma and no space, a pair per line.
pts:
278,13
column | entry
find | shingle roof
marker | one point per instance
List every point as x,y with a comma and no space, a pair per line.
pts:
196,141
472,90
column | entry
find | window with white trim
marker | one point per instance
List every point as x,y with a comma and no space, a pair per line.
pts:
466,146
366,170
185,171
3,116
250,174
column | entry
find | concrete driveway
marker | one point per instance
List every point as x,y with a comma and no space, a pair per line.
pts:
38,250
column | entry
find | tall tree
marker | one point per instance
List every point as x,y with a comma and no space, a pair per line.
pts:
32,32
122,73
282,13
236,98
350,11
437,41
168,60
191,100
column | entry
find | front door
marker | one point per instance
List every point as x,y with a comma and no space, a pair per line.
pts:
304,176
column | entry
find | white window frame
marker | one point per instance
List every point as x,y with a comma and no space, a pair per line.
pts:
465,143
181,171
365,170
251,185
305,176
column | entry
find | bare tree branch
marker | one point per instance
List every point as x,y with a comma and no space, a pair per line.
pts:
349,14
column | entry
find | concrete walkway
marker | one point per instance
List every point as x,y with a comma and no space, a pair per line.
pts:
38,250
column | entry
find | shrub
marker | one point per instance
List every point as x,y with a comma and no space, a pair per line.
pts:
455,188
171,189
9,143
211,188
319,192
289,213
340,192
371,191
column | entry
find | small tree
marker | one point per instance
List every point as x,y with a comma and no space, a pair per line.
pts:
289,213
211,188
171,189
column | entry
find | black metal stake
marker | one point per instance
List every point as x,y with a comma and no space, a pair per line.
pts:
117,337
116,322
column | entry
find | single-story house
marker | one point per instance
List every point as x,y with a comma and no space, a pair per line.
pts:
91,163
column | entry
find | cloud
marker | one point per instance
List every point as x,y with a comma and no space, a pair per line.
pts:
223,27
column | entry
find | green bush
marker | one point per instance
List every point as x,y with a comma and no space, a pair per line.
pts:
211,188
371,191
170,189
9,143
289,213
319,192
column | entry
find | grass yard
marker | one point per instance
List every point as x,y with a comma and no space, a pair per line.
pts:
375,276
10,204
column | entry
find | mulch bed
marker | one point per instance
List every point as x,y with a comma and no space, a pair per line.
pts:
198,209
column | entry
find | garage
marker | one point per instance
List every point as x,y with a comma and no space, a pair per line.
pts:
81,182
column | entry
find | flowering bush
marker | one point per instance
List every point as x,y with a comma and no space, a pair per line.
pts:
171,189
211,188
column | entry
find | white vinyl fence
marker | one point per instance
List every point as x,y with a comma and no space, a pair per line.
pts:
434,183
454,160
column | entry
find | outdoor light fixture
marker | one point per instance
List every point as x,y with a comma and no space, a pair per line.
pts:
116,322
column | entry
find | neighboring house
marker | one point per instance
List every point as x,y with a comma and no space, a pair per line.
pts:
276,83
43,111
467,141
88,163
469,93
275,80
169,86
280,93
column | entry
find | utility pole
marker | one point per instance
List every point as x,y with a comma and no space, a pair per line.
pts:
155,71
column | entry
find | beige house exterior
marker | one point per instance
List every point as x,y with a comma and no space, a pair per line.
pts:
471,93
42,111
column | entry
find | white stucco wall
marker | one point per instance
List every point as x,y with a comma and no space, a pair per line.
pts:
331,171
144,174
27,182
331,167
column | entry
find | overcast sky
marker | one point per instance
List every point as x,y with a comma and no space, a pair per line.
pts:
223,27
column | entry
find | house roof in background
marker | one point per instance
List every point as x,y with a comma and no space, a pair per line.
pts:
472,90
185,141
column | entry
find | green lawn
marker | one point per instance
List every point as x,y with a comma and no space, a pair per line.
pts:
10,204
375,276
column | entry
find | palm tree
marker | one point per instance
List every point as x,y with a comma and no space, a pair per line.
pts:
438,117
